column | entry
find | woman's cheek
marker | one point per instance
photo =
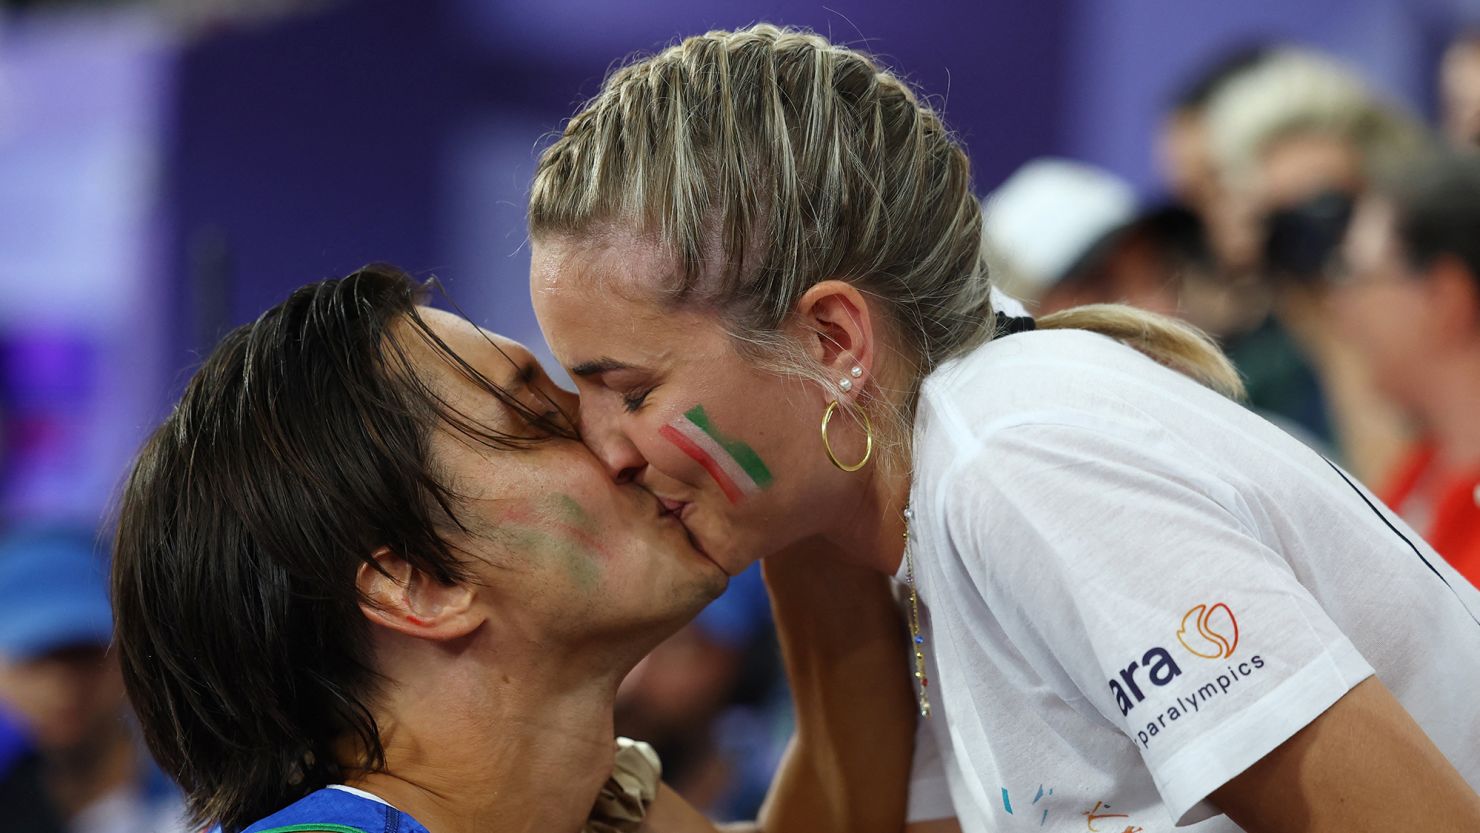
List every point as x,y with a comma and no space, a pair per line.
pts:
729,462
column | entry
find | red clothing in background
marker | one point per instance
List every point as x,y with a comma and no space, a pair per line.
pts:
1444,506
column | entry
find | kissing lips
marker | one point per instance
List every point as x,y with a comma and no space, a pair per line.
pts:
678,510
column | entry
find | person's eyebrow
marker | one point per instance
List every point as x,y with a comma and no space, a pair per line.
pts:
597,366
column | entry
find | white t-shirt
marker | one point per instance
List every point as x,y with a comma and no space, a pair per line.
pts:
1134,588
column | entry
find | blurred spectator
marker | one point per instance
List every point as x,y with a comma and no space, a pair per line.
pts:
1064,233
1297,138
57,677
21,783
1185,153
713,701
1459,91
1409,302
1230,298
1298,124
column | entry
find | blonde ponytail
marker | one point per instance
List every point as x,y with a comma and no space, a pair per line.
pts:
1170,342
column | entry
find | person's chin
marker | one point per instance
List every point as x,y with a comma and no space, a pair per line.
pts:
716,544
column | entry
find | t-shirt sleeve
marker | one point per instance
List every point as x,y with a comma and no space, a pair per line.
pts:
1131,578
930,796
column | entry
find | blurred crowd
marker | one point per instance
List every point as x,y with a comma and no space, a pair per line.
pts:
1327,237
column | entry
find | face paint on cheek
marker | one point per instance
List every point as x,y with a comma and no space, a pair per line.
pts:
578,525
735,466
563,527
584,570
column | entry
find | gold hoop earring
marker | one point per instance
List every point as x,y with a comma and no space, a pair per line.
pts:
868,449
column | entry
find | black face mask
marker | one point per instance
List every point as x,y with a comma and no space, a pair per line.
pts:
1299,240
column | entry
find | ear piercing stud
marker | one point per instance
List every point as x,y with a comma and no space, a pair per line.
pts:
847,384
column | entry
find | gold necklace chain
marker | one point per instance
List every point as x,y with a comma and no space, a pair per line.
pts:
917,640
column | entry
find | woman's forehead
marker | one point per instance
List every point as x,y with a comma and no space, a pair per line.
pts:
611,260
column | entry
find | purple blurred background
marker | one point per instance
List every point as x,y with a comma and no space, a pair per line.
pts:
164,176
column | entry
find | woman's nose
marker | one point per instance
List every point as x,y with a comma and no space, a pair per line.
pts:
621,458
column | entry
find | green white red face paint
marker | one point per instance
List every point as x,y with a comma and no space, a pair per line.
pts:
734,466
559,526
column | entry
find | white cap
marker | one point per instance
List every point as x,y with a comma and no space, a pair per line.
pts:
1049,213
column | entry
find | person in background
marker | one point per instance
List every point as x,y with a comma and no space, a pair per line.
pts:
21,783
1230,298
1297,139
1410,306
1065,234
1459,91
1185,155
59,679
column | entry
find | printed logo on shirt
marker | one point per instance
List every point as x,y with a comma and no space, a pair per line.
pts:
1207,632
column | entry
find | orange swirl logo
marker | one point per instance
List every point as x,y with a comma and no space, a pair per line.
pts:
1209,632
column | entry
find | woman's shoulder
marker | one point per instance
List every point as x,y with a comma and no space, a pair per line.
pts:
1043,360
1066,377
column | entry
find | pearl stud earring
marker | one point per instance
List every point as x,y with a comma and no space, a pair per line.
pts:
856,372
846,385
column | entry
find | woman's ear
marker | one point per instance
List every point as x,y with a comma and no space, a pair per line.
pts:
395,594
839,331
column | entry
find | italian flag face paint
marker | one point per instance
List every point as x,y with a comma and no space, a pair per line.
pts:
734,465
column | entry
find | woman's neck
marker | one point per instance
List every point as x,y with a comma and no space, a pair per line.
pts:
872,529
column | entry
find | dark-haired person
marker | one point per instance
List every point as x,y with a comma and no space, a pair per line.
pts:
368,578
1410,305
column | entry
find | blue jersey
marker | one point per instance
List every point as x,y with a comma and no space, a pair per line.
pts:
336,811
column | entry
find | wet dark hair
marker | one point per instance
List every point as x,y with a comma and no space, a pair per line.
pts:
1436,209
299,448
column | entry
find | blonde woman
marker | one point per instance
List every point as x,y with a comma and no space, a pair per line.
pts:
1133,603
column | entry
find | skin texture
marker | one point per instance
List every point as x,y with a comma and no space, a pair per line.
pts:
661,361
1344,771
496,710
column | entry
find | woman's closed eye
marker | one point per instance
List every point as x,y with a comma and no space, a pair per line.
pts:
633,400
